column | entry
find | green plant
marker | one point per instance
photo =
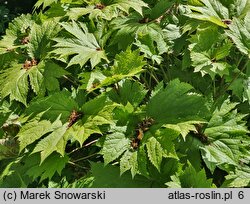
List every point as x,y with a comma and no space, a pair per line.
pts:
124,93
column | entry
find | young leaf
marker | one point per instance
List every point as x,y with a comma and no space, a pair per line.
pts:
128,92
178,104
127,64
155,151
59,103
40,42
226,130
14,83
114,145
129,162
109,176
212,10
240,34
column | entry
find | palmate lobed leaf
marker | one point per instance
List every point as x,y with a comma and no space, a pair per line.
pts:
40,39
132,29
190,178
110,10
127,64
83,46
227,132
54,123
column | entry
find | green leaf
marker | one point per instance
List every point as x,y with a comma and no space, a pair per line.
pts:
14,83
48,168
36,78
155,151
130,29
239,32
14,174
45,3
32,131
59,103
217,154
17,30
160,8
109,176
82,45
54,142
190,178
184,128
115,144
40,43
227,131
80,131
226,122
110,10
127,64
212,10
165,136
129,162
207,56
52,72
238,179
176,104
95,113
128,92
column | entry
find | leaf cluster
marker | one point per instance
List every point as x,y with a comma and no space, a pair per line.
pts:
126,93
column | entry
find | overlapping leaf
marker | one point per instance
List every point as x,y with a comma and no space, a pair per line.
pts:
127,64
208,55
137,27
83,46
228,132
107,9
178,104
240,34
190,178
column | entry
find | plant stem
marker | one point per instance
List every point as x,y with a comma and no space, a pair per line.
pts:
92,142
77,165
235,77
83,158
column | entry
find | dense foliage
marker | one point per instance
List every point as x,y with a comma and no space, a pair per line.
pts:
126,93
